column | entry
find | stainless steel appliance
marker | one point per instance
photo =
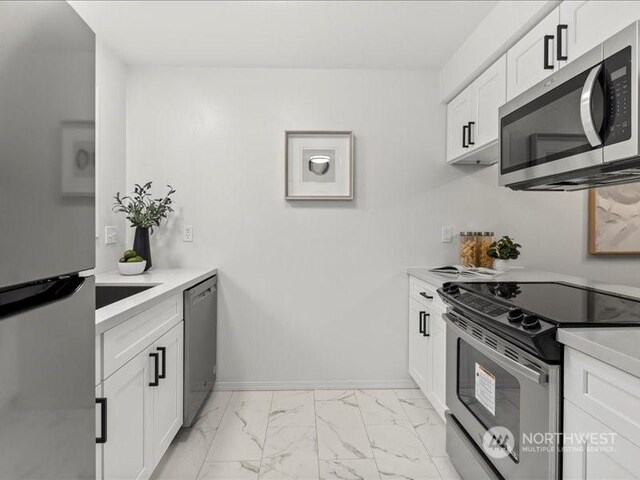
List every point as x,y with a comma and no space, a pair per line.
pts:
504,371
200,337
579,127
47,220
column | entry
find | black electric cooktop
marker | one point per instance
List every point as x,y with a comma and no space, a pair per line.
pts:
562,304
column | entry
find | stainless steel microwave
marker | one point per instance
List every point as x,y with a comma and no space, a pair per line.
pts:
578,128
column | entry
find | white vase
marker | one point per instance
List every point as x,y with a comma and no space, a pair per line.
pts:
500,265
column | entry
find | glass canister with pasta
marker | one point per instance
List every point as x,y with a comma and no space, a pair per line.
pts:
468,256
483,243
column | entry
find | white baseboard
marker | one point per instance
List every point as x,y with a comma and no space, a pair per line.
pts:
316,385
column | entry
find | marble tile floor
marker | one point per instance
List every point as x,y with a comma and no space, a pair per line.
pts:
311,434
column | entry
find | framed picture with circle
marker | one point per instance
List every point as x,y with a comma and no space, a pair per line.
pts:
318,165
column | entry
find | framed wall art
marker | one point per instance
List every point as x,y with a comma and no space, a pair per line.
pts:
614,220
318,165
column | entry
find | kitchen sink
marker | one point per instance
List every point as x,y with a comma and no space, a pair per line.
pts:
106,295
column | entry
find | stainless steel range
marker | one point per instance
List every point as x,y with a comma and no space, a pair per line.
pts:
504,371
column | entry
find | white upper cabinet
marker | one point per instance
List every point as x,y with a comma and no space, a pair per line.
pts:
534,57
490,93
472,117
590,23
460,113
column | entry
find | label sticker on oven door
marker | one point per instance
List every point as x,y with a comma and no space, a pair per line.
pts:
486,388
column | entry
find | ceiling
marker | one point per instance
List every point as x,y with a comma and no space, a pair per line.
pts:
290,34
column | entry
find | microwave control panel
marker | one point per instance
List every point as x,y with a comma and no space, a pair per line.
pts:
618,96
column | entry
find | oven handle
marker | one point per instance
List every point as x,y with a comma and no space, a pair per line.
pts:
585,107
505,362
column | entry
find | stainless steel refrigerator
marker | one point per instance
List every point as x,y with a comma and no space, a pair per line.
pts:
47,237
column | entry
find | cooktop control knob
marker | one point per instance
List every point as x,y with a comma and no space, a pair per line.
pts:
453,290
515,315
530,322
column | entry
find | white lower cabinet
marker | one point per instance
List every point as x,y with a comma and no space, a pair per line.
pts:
427,345
128,452
418,344
143,417
167,396
601,420
594,451
438,344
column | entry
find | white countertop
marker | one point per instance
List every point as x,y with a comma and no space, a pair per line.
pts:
165,281
524,275
616,346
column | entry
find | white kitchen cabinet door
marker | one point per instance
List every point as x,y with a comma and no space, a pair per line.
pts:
594,451
128,452
490,93
418,344
460,111
526,59
590,23
437,354
167,396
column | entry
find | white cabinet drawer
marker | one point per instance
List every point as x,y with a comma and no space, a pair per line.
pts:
98,360
124,342
608,394
425,293
594,451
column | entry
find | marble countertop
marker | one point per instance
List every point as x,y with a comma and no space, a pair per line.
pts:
165,281
616,346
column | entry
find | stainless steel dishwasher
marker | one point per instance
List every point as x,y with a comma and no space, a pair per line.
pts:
200,336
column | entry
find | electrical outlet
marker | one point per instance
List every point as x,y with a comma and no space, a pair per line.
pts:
187,233
110,235
446,235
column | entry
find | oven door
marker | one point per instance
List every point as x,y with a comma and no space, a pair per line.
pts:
504,404
547,131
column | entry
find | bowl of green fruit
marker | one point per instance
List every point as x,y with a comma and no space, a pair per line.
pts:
131,263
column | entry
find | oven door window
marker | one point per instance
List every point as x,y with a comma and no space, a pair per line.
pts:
549,128
489,392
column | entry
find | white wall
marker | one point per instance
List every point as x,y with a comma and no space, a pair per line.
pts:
315,291
310,291
111,85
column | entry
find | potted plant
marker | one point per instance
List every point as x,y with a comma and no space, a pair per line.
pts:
502,251
144,213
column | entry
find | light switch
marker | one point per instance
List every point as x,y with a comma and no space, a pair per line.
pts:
187,233
446,235
110,234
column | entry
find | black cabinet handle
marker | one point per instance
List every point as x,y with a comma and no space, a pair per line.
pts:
559,30
464,136
103,420
547,48
421,325
424,329
470,127
428,297
156,367
163,351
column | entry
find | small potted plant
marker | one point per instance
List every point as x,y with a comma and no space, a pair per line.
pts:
502,251
144,213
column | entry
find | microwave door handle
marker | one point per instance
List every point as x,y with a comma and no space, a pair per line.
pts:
586,117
